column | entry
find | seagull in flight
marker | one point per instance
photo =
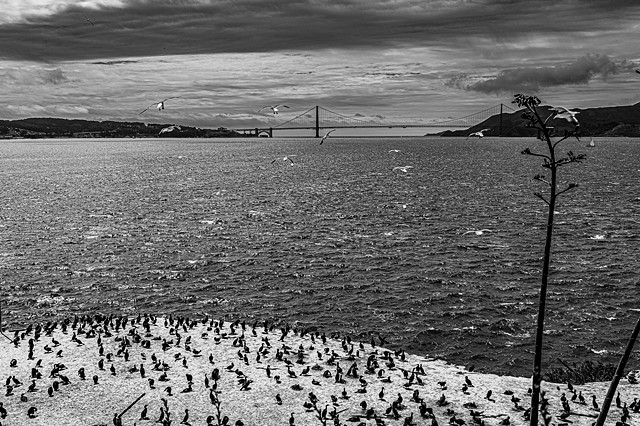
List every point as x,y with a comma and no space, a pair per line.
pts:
159,105
169,129
564,113
284,159
477,232
479,133
404,169
326,135
88,20
273,108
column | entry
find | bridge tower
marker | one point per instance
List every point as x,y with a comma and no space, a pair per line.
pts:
317,122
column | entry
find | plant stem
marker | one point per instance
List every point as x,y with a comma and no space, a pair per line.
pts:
537,362
616,377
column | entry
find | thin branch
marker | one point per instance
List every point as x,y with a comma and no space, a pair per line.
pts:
571,186
541,178
527,151
539,195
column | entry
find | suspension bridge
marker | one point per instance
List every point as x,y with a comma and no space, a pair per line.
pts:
318,118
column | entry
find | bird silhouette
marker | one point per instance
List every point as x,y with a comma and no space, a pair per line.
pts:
143,414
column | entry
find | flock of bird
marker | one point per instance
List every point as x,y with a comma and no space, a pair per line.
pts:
99,370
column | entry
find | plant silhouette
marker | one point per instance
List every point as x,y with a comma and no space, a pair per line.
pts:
551,163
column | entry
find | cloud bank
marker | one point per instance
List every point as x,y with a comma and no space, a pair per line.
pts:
581,71
57,29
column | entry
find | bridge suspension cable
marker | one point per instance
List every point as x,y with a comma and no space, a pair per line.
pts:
322,118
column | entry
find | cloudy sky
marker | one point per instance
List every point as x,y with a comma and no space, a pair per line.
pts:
394,60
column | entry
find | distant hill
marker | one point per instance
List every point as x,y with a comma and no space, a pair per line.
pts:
604,121
63,128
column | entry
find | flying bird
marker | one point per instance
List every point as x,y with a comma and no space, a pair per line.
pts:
273,108
88,20
403,169
159,105
326,135
479,133
477,232
638,71
283,159
566,114
169,129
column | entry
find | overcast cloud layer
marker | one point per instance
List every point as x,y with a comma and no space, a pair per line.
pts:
425,60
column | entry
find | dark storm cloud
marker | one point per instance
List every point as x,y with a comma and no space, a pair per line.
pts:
155,27
581,71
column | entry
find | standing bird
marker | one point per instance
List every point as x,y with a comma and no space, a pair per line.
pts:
274,108
31,412
326,135
143,414
479,134
159,105
185,420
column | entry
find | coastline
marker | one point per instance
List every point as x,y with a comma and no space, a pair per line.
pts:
299,363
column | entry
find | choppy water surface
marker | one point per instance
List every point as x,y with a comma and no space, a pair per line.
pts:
337,240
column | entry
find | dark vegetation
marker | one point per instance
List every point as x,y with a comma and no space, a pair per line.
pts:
63,128
604,121
579,374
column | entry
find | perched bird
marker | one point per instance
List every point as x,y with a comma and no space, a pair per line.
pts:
31,412
143,414
274,108
158,105
479,134
185,419
326,135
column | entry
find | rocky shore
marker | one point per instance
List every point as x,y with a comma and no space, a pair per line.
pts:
145,370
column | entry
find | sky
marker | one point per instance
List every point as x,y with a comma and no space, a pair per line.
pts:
386,61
